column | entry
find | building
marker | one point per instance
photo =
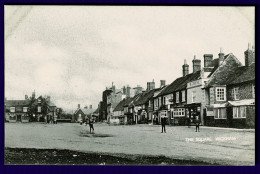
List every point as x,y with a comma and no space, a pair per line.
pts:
172,100
17,110
31,109
82,114
113,99
228,79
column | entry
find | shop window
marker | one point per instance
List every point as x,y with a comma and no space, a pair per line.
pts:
179,112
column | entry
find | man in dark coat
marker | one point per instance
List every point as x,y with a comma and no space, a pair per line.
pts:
163,122
197,123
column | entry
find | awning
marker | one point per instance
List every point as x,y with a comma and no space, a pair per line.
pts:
246,102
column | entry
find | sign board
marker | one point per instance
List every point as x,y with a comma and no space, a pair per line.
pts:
210,113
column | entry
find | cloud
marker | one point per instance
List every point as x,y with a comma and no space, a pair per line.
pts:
73,52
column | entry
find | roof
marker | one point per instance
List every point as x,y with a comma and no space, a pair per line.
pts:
246,102
145,96
180,83
120,105
132,99
87,111
225,73
214,64
10,103
243,74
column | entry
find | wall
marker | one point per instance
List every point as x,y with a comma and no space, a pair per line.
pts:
244,90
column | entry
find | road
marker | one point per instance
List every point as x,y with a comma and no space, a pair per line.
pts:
211,145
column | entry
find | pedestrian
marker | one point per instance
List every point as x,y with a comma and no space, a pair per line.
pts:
163,123
197,123
91,124
55,119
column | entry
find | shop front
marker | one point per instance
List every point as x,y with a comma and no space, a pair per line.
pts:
193,110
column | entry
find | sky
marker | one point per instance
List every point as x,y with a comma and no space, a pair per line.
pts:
72,53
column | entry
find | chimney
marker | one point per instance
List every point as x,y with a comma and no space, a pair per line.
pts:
220,57
78,106
185,68
33,95
162,83
90,106
196,63
150,85
249,56
208,58
128,89
124,90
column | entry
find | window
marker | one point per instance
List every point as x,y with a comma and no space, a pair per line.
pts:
193,96
39,101
239,112
12,109
164,100
183,96
39,109
235,93
25,109
177,97
179,112
220,113
253,91
220,94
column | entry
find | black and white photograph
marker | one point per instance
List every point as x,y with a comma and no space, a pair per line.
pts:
129,85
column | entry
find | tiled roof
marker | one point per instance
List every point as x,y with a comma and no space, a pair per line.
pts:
10,103
132,99
242,74
221,75
214,64
120,105
145,96
180,83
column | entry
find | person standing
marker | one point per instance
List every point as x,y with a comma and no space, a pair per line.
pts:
163,123
91,125
197,123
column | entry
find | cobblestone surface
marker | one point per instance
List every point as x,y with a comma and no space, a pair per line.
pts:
211,145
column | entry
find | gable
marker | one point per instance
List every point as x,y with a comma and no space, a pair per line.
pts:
224,72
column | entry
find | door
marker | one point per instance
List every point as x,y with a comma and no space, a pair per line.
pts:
19,118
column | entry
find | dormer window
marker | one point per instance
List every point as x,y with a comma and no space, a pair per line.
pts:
25,109
12,109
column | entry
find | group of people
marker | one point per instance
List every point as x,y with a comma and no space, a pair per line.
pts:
196,121
49,119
